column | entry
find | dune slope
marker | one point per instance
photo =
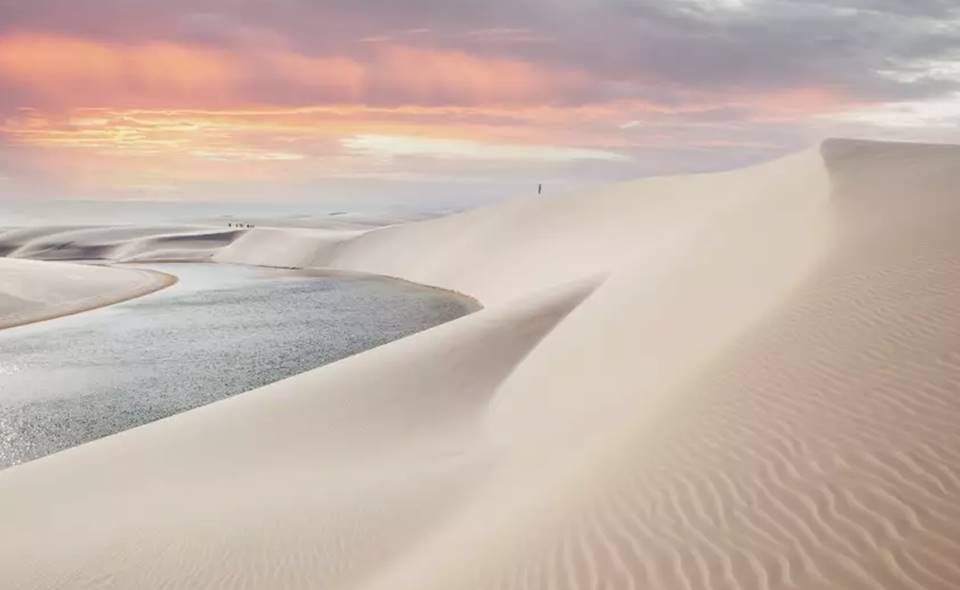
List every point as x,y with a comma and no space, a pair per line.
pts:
740,380
31,291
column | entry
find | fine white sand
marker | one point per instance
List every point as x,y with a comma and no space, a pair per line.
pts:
741,380
116,243
31,291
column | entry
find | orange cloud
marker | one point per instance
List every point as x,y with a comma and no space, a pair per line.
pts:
161,114
103,147
331,76
188,111
76,72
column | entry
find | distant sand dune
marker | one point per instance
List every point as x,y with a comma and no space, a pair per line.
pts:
748,380
116,244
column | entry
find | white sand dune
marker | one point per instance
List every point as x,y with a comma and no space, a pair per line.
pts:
742,380
183,243
31,291
116,243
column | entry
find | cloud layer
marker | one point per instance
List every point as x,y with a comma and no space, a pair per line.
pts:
102,96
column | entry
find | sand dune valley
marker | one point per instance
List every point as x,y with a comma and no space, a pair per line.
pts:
737,380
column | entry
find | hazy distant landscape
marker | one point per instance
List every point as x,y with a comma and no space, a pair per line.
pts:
22,213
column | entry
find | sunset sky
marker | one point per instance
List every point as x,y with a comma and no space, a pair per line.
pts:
143,99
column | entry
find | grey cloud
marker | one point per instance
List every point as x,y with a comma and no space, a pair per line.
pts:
766,46
662,49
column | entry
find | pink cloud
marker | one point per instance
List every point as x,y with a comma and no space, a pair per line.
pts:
75,72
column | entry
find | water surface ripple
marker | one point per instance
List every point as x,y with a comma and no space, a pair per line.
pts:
220,331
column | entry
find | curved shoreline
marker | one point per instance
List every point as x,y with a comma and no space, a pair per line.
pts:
163,281
334,271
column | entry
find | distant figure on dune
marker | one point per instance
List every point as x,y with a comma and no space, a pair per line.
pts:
539,189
